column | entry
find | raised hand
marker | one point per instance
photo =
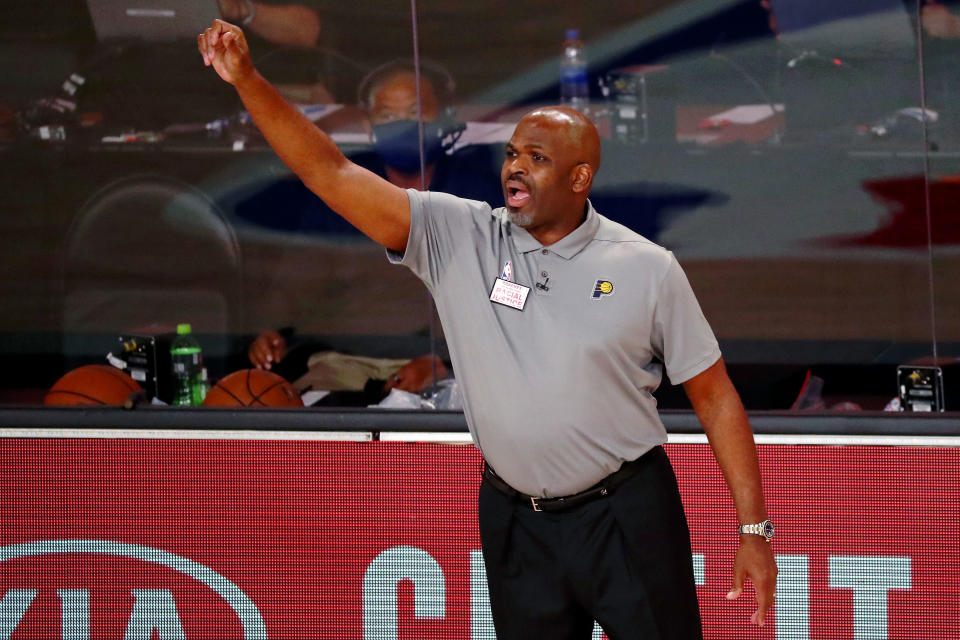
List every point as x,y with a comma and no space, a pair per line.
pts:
224,47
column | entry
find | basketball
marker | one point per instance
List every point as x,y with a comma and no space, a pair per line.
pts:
92,385
253,388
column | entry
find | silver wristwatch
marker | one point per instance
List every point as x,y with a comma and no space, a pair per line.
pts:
764,529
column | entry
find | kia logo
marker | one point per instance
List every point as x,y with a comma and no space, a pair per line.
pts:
16,601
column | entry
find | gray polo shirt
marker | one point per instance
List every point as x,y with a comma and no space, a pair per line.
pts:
557,395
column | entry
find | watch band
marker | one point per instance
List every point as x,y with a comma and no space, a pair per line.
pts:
763,529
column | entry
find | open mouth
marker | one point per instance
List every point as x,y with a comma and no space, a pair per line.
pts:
517,194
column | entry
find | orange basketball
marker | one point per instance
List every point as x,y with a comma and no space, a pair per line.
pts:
253,388
92,385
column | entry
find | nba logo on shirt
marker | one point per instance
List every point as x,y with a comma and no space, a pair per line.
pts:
507,273
602,288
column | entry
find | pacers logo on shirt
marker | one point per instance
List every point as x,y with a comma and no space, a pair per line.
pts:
602,288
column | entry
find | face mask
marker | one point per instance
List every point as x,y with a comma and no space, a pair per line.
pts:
398,144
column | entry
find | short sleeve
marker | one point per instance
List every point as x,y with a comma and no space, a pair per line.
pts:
440,225
681,335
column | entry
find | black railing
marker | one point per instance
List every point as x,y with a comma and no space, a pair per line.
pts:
379,420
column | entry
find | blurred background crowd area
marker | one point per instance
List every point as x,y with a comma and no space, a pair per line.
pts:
801,159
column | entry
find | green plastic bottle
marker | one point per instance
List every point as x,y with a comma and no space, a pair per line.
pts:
186,359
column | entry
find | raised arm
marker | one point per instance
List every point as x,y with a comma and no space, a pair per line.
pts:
721,413
374,206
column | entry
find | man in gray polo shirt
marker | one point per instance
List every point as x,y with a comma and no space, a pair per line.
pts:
557,319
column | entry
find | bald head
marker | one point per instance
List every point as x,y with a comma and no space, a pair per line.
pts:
548,171
573,129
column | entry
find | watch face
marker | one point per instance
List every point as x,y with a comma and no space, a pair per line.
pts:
767,529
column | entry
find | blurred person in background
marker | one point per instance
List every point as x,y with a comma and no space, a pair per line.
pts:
352,380
281,23
388,97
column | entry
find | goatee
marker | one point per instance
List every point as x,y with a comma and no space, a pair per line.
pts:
520,219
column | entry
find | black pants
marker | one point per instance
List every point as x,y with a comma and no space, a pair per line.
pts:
623,560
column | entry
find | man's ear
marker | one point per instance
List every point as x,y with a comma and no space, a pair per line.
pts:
582,177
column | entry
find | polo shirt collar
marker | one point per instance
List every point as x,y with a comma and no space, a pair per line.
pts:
568,246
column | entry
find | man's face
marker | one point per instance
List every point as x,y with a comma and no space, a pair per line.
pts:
537,172
396,99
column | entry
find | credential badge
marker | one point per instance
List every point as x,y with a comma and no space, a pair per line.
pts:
509,294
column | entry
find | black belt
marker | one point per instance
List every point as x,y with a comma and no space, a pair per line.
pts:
603,488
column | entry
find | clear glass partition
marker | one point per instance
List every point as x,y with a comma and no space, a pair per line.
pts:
798,158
